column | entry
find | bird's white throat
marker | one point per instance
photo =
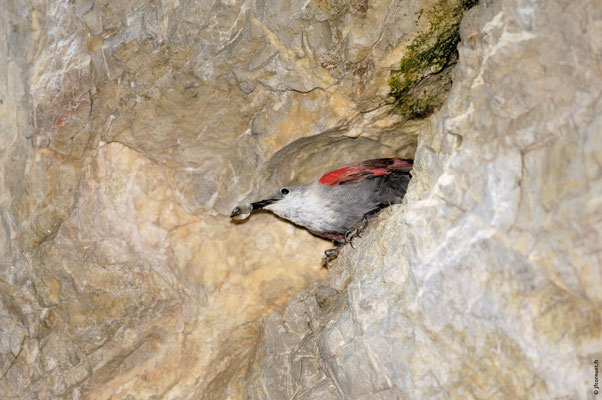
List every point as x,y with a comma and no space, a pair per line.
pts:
306,208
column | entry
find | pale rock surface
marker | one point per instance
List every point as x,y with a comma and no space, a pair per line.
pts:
128,131
485,283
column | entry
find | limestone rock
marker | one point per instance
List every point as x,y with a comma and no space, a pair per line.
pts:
485,282
128,131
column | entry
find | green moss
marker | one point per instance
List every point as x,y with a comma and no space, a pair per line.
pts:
428,54
421,106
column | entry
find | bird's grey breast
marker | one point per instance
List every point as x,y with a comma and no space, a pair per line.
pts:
335,208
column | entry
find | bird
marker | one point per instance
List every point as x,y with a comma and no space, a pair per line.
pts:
341,201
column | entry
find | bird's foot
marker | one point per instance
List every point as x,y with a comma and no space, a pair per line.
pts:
356,231
353,233
330,255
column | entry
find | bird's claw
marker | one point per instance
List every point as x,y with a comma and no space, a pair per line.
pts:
356,232
351,241
330,255
331,252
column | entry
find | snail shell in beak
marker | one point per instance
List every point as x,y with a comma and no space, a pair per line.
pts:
242,211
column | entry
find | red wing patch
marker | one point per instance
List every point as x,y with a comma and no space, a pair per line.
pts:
330,236
363,170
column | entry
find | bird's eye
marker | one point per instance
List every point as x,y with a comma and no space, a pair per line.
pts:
284,191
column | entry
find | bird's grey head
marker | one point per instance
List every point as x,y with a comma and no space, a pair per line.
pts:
283,202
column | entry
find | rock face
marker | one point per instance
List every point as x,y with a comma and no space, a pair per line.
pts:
128,131
486,282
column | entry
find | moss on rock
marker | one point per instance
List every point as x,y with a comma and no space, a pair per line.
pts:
429,54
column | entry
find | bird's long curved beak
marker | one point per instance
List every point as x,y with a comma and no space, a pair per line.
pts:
263,203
